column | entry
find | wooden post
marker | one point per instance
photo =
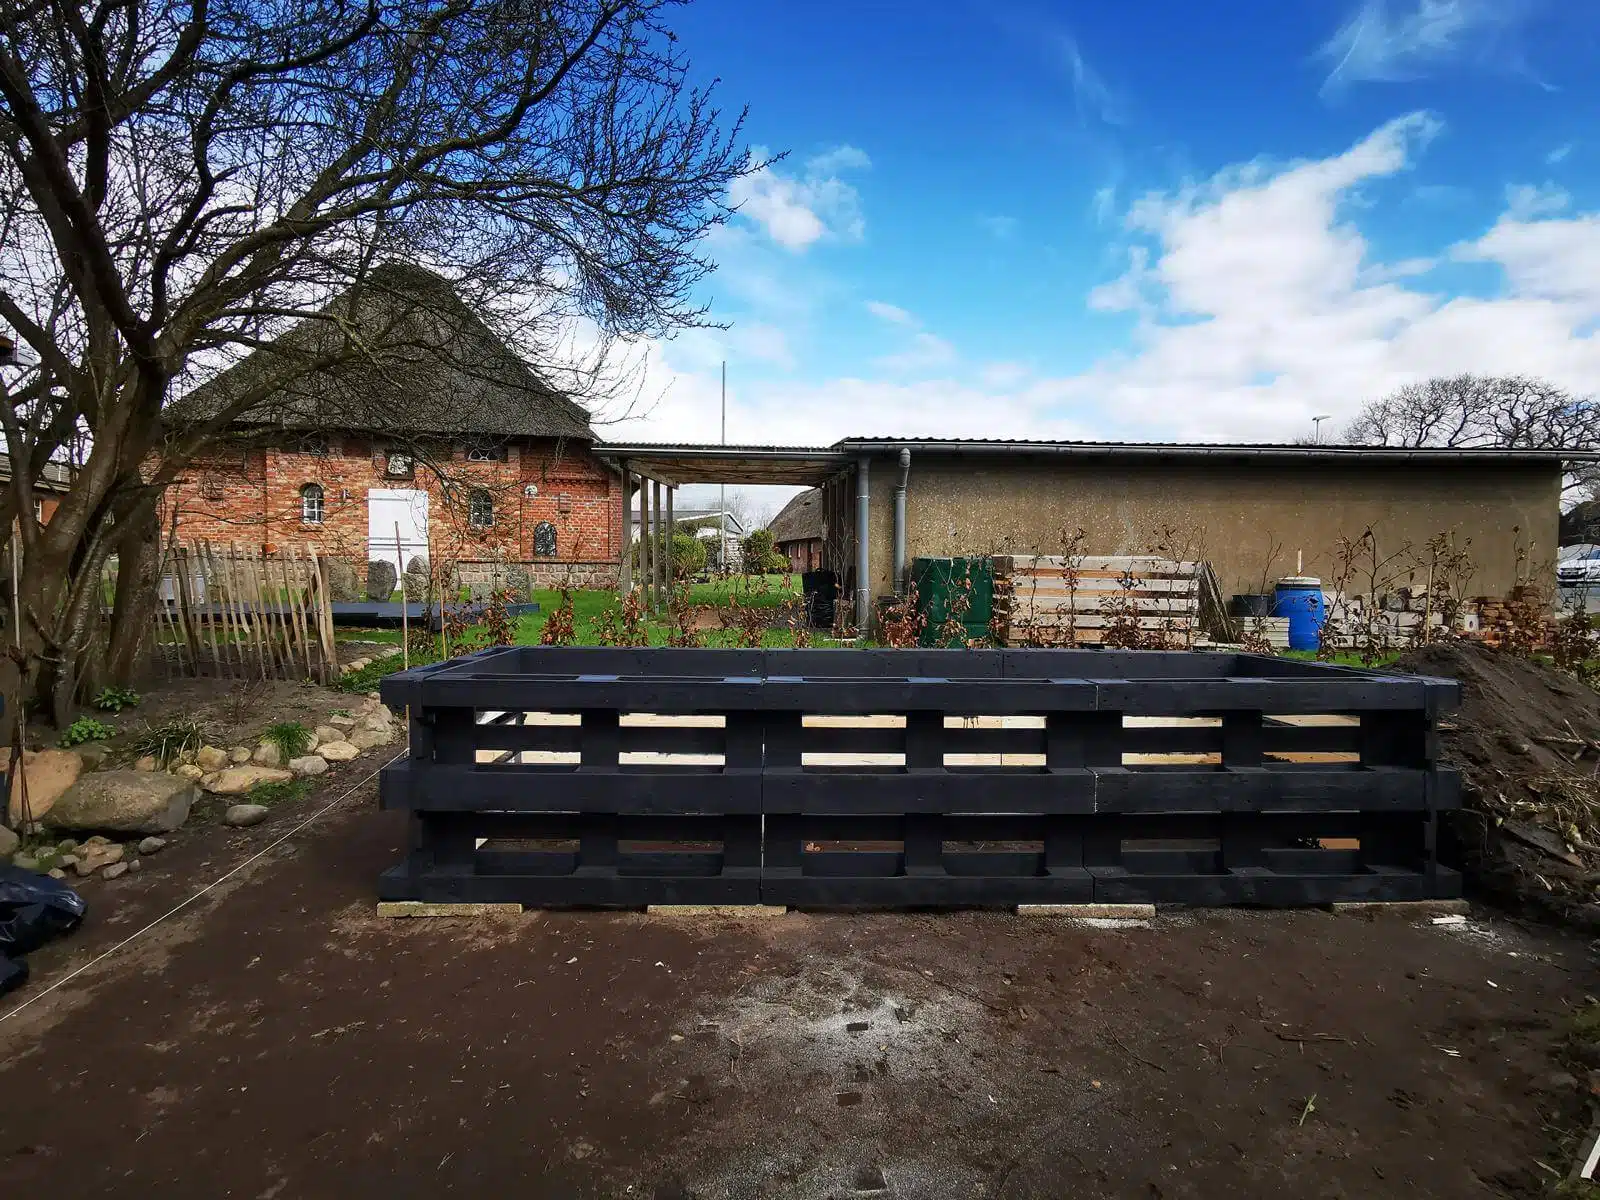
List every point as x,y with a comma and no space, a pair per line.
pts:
405,627
666,542
657,553
644,539
297,598
330,658
625,573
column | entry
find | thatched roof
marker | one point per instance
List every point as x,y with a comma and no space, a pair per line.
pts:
800,520
411,358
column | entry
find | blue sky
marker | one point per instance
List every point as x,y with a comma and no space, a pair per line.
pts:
1145,221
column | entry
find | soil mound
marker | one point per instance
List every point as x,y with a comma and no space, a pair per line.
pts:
1526,740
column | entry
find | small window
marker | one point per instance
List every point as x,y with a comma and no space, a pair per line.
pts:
314,443
485,452
544,540
399,465
480,509
311,504
564,502
213,486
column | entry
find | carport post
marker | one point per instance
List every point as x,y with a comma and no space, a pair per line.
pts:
671,530
655,542
863,584
644,541
625,574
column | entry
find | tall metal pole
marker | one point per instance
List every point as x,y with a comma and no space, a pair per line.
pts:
722,489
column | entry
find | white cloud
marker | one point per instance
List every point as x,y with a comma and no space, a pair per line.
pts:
1090,93
1105,203
1258,303
1559,154
1384,41
1528,200
796,211
840,158
999,226
927,352
891,313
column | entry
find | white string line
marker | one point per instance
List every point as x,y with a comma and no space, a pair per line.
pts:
223,879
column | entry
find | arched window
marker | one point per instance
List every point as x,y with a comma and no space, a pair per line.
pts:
480,509
311,504
544,540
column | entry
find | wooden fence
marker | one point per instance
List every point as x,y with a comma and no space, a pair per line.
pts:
237,611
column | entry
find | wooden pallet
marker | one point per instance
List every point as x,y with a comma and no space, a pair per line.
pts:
1051,600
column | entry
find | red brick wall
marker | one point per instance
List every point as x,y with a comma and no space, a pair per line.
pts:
254,499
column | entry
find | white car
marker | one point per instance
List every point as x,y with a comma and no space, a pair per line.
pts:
1578,565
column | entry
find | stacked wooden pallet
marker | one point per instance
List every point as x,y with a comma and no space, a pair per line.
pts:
1093,600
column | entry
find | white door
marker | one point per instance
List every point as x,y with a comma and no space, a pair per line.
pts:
397,509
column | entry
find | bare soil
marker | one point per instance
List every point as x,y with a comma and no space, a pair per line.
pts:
1527,788
277,1039
231,711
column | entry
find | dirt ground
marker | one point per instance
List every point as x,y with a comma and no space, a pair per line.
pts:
1527,742
277,1039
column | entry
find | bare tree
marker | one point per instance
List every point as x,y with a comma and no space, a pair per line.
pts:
1479,410
183,180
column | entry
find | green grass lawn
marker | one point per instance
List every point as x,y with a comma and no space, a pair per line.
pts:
589,605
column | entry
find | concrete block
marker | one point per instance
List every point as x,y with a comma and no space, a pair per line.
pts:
715,910
1105,911
416,908
1399,908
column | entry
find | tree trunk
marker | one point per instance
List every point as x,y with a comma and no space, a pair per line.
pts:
134,609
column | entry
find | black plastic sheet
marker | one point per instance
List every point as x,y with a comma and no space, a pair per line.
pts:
34,908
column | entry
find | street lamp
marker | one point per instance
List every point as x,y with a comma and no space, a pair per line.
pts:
1316,428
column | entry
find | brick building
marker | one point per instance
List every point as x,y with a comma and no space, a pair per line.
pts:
434,436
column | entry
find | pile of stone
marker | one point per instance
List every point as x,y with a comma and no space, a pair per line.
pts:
68,793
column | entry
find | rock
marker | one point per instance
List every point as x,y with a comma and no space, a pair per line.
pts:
239,755
338,752
236,781
57,873
267,754
518,584
8,842
210,758
189,771
373,696
312,741
25,862
380,580
354,665
94,755
92,858
366,739
117,869
49,774
344,585
242,816
378,718
68,860
339,723
66,846
146,763
125,802
135,865
309,764
327,733
152,845
98,839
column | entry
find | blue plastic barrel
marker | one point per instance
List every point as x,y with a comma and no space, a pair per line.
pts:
1300,599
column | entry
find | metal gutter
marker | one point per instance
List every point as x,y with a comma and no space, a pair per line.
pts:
1386,454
